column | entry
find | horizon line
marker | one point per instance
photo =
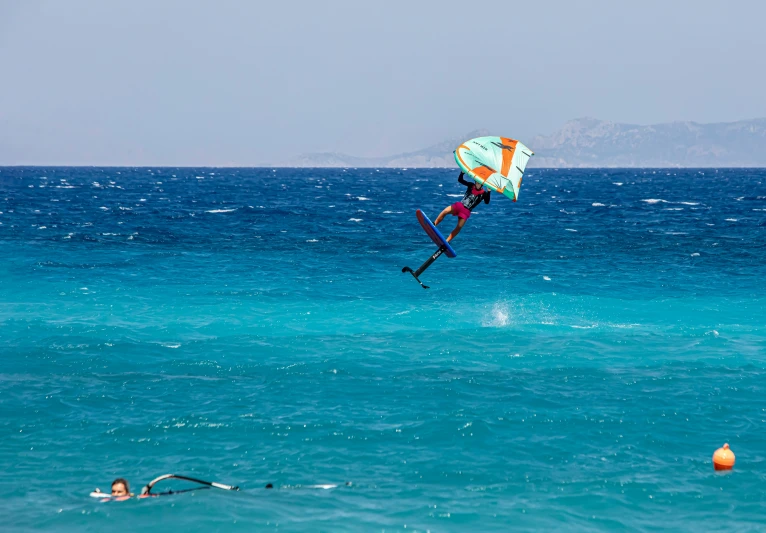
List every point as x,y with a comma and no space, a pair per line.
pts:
377,168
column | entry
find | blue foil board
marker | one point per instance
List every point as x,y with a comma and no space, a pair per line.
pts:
435,234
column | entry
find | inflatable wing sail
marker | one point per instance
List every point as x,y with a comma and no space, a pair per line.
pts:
497,162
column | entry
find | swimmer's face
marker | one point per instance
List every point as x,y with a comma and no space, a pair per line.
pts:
119,489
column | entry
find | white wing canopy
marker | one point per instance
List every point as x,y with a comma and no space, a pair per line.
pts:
496,162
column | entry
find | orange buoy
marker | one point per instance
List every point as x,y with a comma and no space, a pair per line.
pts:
723,458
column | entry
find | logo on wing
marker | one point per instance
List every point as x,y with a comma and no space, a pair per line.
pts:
503,146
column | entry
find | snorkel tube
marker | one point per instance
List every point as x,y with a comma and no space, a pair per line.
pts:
146,491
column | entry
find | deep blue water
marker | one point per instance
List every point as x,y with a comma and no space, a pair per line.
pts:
573,368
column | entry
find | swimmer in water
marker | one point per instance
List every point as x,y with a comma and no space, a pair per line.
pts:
474,195
120,488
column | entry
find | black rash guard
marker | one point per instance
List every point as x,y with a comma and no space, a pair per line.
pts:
471,200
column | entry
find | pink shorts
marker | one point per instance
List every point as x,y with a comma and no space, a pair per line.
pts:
460,211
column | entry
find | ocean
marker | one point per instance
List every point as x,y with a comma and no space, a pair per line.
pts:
573,368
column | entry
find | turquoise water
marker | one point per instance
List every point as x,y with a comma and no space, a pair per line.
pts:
573,368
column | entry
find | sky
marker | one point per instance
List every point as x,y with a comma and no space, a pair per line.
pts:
249,82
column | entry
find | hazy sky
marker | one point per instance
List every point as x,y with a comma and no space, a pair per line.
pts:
183,82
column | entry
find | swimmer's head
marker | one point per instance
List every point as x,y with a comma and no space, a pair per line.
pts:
120,487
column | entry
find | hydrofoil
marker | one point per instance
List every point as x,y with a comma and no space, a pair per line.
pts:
439,240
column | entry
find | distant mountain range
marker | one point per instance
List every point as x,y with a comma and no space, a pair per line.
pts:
597,143
589,142
438,155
